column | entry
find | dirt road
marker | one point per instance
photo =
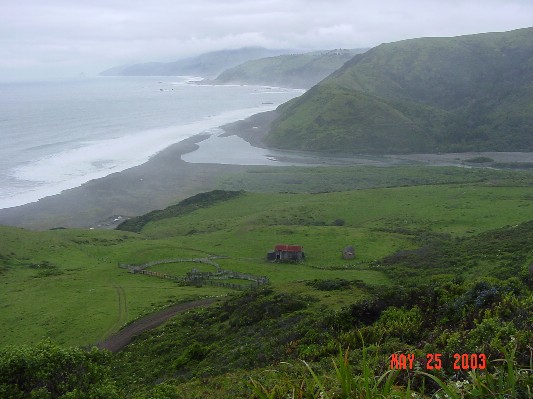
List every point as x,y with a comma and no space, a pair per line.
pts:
119,340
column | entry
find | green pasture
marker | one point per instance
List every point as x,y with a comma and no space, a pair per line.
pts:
66,284
182,268
243,225
85,296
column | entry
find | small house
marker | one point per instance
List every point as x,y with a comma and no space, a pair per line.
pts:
286,253
348,252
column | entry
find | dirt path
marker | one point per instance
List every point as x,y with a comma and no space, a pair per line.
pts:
122,307
118,341
122,314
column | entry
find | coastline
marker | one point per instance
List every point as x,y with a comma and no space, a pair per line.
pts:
166,179
162,180
112,125
253,129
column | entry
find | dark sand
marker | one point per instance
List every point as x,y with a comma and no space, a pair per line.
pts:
165,179
162,181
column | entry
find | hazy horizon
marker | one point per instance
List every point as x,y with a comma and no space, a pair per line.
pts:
61,38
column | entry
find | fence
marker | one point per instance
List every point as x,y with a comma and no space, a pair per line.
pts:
196,277
160,275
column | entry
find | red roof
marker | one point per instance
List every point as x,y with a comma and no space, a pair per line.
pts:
288,248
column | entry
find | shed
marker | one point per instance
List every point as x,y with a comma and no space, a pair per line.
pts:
286,253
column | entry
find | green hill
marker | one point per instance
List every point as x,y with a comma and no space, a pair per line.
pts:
467,93
207,65
291,70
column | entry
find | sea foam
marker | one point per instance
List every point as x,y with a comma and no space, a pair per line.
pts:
92,160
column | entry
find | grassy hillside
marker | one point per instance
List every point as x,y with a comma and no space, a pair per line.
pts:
442,265
65,284
291,70
422,95
467,293
47,277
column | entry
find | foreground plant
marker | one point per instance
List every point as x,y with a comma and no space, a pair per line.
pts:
345,383
48,371
508,380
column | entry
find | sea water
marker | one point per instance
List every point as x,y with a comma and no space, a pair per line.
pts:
60,134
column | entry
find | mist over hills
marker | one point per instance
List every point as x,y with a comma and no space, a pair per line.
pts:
289,70
207,65
466,93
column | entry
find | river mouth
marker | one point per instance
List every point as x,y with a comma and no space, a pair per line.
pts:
221,148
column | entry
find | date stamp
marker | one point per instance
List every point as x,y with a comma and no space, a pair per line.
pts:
433,361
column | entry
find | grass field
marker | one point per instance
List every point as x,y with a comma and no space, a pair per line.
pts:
78,299
65,283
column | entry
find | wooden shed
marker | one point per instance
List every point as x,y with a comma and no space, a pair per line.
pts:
286,253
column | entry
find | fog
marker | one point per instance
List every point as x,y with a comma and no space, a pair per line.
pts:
66,38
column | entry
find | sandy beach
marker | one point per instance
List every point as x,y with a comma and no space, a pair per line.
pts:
166,179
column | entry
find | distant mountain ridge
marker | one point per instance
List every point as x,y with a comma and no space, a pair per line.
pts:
288,70
467,93
207,65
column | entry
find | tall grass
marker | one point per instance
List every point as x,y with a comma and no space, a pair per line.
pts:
506,380
344,384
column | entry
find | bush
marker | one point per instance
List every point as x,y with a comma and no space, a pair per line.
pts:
329,285
261,305
48,371
405,324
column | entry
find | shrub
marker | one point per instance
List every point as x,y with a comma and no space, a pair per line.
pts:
48,371
329,285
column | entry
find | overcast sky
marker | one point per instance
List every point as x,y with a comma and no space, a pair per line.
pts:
52,38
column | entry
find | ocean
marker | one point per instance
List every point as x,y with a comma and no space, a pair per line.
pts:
58,135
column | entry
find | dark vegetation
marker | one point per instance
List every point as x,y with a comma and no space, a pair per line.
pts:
46,269
480,160
501,253
332,285
468,93
329,179
188,205
4,263
247,332
49,371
